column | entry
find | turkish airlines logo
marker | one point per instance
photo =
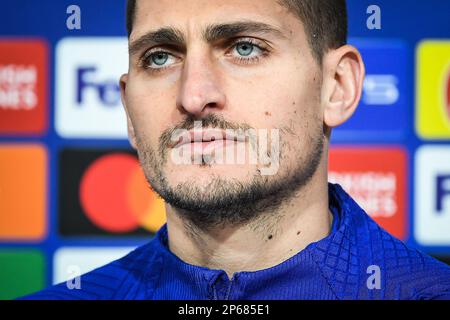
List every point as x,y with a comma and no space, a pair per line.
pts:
18,87
23,86
376,179
374,191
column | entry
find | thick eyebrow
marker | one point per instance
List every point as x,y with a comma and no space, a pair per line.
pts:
223,31
174,37
166,36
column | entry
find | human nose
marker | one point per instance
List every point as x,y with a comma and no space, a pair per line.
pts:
200,91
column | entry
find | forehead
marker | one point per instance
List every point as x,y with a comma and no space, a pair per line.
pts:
191,16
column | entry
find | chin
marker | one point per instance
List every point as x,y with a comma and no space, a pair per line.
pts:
205,174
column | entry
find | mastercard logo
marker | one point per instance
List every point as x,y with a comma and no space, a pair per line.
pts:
116,197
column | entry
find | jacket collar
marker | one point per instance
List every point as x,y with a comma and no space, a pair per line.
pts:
335,255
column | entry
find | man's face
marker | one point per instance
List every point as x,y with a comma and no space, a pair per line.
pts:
230,77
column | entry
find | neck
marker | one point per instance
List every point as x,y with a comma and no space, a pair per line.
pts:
259,244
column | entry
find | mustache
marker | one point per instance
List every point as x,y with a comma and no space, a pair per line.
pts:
211,120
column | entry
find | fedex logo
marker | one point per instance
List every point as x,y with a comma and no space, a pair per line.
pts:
442,191
432,195
87,99
108,91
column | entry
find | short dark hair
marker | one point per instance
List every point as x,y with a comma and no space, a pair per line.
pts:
325,22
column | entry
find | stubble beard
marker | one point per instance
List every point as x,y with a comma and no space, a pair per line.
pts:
225,202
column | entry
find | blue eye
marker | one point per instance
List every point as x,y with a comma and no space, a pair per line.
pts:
245,48
160,58
243,51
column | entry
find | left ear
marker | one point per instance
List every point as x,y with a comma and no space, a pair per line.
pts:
343,76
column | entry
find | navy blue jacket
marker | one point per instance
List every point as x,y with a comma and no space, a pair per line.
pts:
357,260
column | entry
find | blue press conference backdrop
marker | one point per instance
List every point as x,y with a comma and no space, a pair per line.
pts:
62,133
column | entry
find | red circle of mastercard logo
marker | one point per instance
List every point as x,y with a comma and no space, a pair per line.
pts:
115,195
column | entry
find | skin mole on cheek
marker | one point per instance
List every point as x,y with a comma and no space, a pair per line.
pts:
269,237
298,232
267,113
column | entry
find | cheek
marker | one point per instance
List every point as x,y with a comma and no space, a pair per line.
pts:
275,100
290,102
256,101
299,95
148,111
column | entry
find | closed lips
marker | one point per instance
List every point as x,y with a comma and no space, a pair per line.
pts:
206,136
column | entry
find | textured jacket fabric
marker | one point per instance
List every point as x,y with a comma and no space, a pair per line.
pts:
357,260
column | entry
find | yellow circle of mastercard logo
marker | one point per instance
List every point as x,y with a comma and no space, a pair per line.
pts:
433,90
116,197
